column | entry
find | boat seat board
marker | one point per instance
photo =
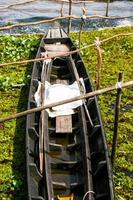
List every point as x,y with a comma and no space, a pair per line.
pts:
63,123
56,48
56,33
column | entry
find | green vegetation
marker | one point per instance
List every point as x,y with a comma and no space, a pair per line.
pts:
117,56
14,99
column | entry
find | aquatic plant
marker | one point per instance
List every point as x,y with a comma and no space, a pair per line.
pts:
117,56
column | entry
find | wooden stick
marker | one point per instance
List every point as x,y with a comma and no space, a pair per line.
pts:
59,18
76,2
39,22
116,120
107,8
80,31
69,20
16,4
67,53
81,89
61,10
87,95
41,129
99,63
81,24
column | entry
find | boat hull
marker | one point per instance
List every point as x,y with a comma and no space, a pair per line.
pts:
68,160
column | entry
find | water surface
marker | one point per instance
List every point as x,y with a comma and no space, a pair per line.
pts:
44,9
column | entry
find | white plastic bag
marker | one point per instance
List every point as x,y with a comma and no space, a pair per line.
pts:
59,92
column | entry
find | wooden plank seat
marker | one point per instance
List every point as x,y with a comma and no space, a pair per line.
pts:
56,33
63,123
56,48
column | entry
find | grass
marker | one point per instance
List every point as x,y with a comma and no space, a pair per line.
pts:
117,56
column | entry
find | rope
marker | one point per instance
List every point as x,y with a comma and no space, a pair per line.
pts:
118,85
88,192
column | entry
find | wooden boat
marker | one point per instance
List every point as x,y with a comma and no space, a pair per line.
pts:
67,156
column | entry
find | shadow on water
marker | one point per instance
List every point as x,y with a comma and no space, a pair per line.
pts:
19,155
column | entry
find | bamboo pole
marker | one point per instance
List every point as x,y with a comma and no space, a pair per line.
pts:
61,11
116,120
41,130
83,18
80,33
58,18
84,3
69,20
107,8
87,95
99,63
81,89
39,22
67,53
16,4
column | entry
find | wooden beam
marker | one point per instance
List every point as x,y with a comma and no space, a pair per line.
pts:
84,96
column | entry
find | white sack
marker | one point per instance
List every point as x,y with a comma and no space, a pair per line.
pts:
59,92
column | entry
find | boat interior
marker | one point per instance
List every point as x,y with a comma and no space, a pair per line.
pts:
67,155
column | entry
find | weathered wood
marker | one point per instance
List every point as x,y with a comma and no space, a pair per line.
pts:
99,63
63,123
107,8
42,119
80,88
69,20
55,33
71,161
63,34
116,120
57,47
49,33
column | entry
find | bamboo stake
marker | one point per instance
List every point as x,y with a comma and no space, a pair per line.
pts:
69,20
107,8
67,53
80,31
87,95
81,25
116,120
61,11
84,3
99,63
